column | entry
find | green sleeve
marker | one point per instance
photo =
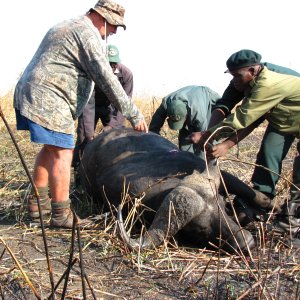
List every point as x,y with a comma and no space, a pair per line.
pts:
253,107
229,99
158,119
262,100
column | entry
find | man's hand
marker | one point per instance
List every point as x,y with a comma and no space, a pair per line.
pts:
199,137
141,126
218,150
107,128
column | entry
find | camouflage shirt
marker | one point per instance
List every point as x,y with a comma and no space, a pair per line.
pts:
59,80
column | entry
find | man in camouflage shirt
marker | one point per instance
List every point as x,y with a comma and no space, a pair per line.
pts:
53,91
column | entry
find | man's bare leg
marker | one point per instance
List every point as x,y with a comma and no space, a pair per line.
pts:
41,180
53,168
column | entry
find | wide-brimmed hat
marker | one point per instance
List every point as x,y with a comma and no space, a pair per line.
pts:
111,11
241,59
177,112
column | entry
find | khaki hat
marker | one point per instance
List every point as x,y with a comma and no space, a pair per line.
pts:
177,112
112,12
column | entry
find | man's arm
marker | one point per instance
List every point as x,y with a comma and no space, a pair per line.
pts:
221,110
158,119
222,148
223,107
126,80
217,116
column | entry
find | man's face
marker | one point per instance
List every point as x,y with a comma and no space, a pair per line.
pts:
113,66
110,30
242,78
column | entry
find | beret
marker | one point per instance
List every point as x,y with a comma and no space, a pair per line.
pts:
241,59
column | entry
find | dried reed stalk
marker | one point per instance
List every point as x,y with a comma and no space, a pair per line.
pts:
21,269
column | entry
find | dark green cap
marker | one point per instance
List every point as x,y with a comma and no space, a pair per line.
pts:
241,59
177,112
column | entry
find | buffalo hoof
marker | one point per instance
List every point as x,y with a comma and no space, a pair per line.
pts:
244,240
250,243
247,213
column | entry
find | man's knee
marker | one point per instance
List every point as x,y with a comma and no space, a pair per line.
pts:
58,152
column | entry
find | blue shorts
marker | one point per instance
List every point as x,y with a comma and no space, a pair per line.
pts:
42,135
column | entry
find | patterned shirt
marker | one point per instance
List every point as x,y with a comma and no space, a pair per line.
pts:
59,80
125,77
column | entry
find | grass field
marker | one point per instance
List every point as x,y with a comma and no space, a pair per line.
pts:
270,271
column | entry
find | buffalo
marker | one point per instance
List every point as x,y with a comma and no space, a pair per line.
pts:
182,192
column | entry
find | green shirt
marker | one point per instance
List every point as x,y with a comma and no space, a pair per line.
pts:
231,96
272,95
199,101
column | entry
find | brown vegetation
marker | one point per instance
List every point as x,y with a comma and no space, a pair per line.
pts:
108,270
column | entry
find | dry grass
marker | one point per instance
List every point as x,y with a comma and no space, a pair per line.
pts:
168,272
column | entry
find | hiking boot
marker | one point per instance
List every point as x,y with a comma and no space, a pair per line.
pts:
33,208
290,215
45,203
62,216
264,201
291,235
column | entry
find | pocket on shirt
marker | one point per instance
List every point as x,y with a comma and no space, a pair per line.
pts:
281,114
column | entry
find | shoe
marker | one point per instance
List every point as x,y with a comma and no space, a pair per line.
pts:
33,209
292,227
63,218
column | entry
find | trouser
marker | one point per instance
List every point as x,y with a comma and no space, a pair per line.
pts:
109,116
291,211
85,131
273,150
294,202
186,145
87,123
